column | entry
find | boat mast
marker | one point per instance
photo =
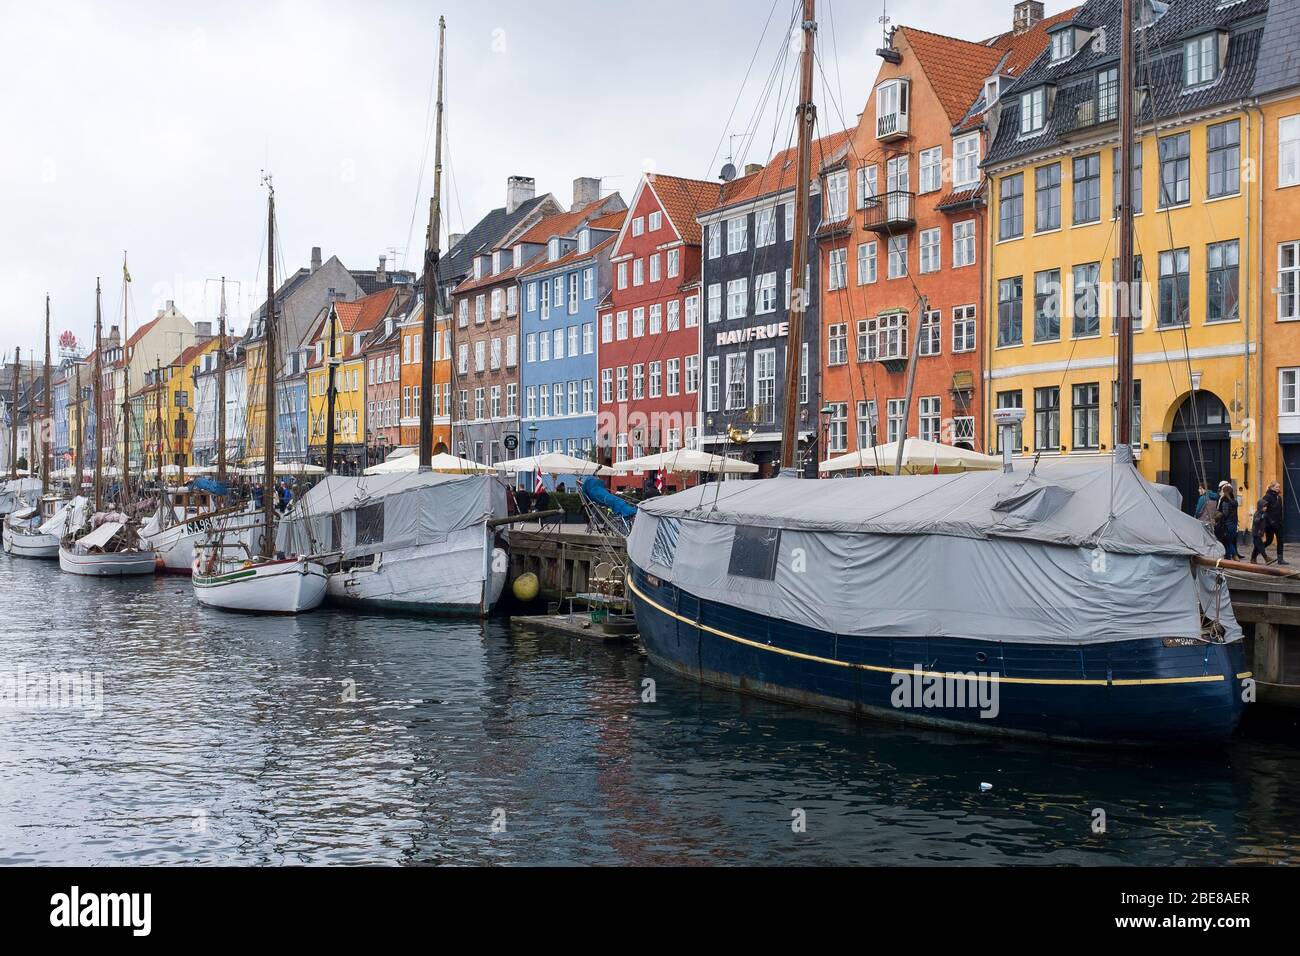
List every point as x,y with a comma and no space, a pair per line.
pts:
805,117
221,387
268,458
331,323
158,407
95,385
428,330
126,394
922,306
78,461
13,417
45,407
1124,360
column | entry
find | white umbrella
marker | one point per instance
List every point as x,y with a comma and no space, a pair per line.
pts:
687,459
440,462
553,463
920,457
281,468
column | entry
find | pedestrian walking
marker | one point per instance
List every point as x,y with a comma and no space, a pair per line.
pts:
1227,527
1207,509
1269,516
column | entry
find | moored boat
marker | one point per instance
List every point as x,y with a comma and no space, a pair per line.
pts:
112,549
1067,603
253,584
36,532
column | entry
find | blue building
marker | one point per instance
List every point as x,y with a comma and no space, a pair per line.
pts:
560,295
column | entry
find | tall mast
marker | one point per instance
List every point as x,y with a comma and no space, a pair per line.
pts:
268,456
331,324
13,417
78,462
126,394
221,387
158,426
428,329
95,386
805,117
1124,371
46,422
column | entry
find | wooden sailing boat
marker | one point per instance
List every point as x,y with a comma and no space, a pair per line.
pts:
1066,603
227,572
107,544
35,533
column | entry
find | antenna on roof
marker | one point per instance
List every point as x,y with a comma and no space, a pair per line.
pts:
728,172
884,21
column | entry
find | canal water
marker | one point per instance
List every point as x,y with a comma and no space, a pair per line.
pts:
351,738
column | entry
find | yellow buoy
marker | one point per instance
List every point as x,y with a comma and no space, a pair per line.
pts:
525,586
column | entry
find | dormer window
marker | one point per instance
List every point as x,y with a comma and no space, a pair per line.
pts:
553,250
518,256
1201,60
496,261
1033,111
478,267
992,90
891,109
1062,44
584,240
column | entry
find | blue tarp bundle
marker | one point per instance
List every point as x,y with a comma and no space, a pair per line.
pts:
211,485
595,489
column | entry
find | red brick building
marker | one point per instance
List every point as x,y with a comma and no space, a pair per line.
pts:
649,353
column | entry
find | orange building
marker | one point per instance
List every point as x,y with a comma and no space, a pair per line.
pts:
412,331
904,210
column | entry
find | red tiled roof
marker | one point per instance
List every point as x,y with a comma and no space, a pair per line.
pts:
683,200
1022,49
365,313
955,68
779,175
561,224
470,284
613,220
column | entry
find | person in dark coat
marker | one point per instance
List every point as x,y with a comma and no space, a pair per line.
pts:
1227,529
1269,515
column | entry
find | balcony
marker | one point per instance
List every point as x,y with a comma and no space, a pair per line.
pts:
890,212
890,126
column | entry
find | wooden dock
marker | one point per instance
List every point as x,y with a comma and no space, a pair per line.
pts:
1268,608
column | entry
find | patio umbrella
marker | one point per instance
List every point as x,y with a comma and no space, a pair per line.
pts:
687,459
920,457
553,463
441,462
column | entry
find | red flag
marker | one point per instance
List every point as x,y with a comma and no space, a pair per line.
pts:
659,481
538,485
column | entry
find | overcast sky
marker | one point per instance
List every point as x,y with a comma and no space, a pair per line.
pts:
144,126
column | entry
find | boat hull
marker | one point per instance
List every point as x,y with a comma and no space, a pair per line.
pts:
1129,692
175,545
288,586
109,564
30,544
428,579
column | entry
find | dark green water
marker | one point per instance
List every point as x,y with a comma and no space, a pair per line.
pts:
228,739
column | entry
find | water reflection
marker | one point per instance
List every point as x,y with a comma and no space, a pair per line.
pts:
354,738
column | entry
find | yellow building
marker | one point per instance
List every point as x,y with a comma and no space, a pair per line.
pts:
169,431
1276,126
352,324
1053,301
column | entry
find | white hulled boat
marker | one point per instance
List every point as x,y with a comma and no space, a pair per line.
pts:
36,532
227,573
110,550
185,519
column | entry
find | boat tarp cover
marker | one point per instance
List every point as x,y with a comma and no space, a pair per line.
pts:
58,522
99,537
18,488
1068,554
365,515
595,489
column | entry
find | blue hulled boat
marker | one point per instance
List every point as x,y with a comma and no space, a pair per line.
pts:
1070,603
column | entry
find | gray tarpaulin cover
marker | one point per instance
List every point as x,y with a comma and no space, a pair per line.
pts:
364,515
1067,554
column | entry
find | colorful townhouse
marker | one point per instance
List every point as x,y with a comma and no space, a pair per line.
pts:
411,329
1275,122
650,326
339,337
1052,271
485,386
747,290
560,295
167,432
382,355
203,446
900,239
481,265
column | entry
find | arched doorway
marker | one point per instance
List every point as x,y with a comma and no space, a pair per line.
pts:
1200,446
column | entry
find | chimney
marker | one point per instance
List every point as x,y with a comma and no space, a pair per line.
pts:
453,239
1028,14
381,274
315,258
752,168
519,189
586,190
202,331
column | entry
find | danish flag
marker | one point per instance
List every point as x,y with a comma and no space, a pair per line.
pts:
538,485
659,481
